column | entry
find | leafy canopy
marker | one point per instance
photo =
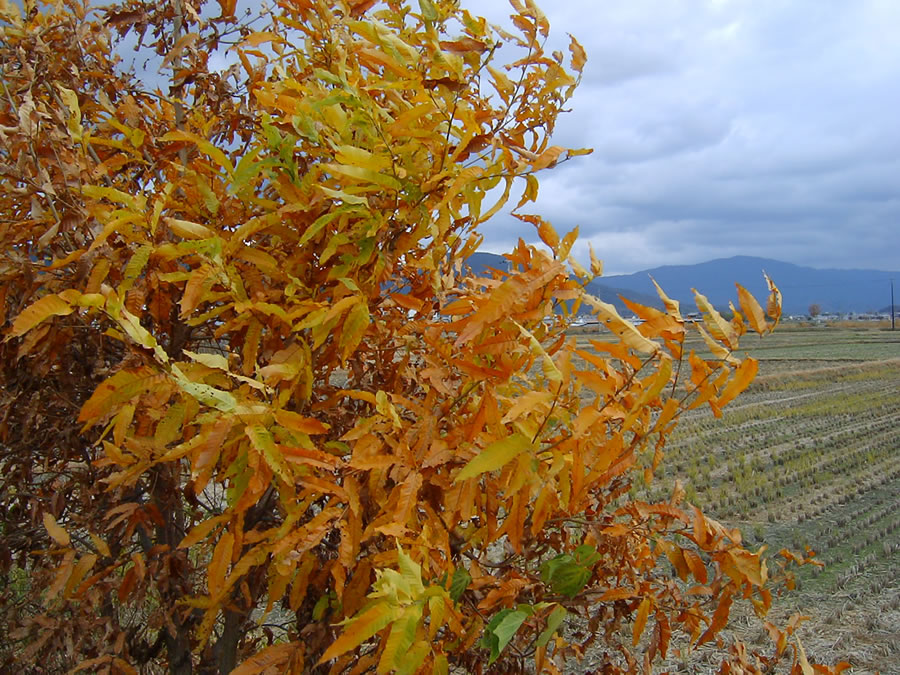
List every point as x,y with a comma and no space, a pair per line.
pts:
257,412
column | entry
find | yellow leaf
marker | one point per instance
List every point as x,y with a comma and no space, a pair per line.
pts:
399,641
551,372
657,382
70,98
361,628
626,331
201,530
715,347
31,316
567,242
596,263
801,657
531,401
530,193
720,329
59,535
217,361
365,175
203,144
188,229
354,328
752,310
384,405
495,456
345,197
348,154
751,566
79,572
101,546
10,11
263,441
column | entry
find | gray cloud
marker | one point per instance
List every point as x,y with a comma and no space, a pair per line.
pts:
728,127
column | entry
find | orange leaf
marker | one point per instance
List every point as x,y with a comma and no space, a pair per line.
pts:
198,284
275,656
118,389
695,562
773,306
548,235
548,158
579,57
219,564
743,376
31,316
617,594
201,530
720,618
305,425
641,619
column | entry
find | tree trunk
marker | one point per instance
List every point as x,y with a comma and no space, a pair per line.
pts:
227,645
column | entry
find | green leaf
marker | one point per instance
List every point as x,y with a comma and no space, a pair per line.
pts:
587,555
495,456
566,575
459,583
557,616
501,630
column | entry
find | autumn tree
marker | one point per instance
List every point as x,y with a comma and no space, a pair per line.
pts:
814,310
256,412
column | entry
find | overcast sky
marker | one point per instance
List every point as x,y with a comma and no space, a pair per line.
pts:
726,127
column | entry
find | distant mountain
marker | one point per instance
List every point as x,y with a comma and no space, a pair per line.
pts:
833,290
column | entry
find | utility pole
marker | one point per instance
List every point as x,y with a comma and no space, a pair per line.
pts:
892,304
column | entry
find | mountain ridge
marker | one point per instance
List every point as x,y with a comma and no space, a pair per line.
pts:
833,290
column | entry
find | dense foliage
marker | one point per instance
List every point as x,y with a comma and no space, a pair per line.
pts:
256,412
